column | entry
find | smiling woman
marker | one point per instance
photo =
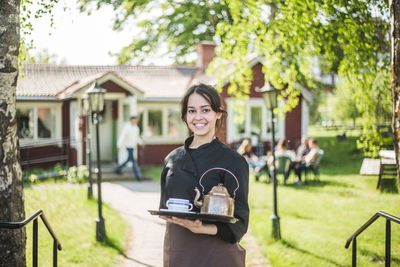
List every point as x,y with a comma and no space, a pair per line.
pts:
194,243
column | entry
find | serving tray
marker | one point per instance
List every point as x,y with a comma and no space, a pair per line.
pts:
193,216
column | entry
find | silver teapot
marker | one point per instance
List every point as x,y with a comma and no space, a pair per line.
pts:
217,201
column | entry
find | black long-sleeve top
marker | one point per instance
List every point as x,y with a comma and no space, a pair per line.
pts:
183,168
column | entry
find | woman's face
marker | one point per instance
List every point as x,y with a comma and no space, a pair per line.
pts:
200,117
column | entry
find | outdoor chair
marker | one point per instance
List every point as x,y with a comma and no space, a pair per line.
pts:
282,166
314,167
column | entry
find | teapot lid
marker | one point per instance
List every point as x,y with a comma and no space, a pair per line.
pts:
219,190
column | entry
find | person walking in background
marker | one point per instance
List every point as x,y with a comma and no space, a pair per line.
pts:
192,242
130,138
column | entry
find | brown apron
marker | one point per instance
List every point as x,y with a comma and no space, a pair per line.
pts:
182,248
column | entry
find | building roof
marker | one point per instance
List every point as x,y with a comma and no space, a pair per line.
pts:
57,82
50,80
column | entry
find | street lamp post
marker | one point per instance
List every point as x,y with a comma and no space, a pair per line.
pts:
270,98
88,143
96,102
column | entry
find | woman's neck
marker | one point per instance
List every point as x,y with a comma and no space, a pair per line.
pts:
200,140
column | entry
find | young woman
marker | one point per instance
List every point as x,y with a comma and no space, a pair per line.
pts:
192,242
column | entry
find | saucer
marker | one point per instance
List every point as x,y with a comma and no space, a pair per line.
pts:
194,216
168,210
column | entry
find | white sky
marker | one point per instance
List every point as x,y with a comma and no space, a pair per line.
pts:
81,39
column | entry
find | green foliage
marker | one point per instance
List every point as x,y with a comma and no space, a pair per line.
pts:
375,139
347,38
30,11
58,172
372,95
36,175
344,106
78,174
176,25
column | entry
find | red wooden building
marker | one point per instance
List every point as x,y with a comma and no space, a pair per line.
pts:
52,121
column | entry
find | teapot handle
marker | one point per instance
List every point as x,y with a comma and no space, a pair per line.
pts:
223,169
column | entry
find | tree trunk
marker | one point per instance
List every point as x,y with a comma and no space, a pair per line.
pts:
395,40
12,242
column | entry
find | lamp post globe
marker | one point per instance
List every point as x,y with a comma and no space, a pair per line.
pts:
96,103
96,98
270,98
270,95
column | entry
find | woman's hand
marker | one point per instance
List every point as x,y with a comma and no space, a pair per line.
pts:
196,226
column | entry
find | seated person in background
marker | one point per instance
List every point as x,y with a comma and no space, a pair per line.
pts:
308,159
246,150
282,151
302,149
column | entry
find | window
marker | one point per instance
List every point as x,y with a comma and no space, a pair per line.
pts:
255,120
176,128
161,123
251,120
38,122
46,123
25,123
154,125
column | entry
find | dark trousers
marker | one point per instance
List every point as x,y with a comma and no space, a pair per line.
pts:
299,168
131,158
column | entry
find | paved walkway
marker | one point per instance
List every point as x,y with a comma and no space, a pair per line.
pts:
132,200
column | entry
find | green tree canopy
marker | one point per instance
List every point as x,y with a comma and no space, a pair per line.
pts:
29,12
345,37
178,25
295,37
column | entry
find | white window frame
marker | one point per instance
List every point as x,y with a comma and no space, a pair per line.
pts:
55,107
232,136
163,138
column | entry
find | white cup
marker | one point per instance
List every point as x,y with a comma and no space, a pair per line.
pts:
179,204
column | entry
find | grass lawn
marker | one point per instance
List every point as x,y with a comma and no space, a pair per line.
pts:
318,217
72,217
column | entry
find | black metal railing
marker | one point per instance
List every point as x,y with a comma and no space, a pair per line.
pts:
34,218
389,218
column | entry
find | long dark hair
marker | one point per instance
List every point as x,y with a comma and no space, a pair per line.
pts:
210,94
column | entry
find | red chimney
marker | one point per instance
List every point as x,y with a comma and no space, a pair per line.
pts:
205,53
